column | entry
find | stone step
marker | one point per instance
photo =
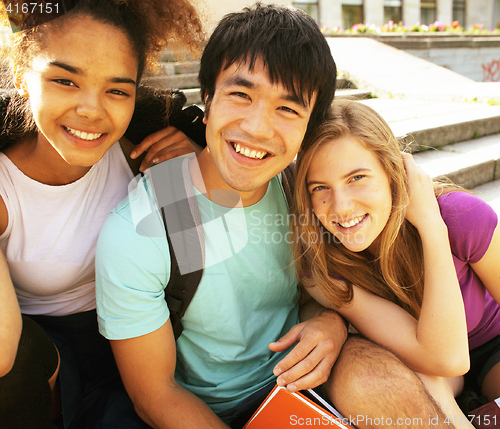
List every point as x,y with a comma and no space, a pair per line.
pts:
179,81
193,94
188,78
343,83
187,67
352,94
436,124
469,163
490,192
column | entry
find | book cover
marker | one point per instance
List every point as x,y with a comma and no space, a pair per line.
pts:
283,409
487,416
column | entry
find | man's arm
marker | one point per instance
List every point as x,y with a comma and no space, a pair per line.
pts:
147,365
132,267
319,339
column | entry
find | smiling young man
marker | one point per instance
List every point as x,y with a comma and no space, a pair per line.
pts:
267,77
255,130
267,74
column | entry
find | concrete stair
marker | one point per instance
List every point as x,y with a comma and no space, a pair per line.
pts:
490,192
184,76
460,141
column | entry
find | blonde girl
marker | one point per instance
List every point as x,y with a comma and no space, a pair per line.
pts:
410,264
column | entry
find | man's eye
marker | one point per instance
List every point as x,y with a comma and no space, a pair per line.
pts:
119,92
240,94
65,82
287,109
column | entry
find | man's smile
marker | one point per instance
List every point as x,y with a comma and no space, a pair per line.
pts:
249,153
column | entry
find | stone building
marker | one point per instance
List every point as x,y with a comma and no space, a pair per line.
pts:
345,13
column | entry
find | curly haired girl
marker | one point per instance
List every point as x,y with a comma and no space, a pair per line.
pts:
75,72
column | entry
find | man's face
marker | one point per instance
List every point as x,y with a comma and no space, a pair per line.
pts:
254,128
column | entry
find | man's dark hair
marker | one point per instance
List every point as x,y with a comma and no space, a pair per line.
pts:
290,44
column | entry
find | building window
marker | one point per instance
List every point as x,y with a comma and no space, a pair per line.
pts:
496,14
352,13
392,11
459,11
311,7
428,12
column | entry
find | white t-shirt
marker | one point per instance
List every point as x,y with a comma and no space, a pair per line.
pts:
52,233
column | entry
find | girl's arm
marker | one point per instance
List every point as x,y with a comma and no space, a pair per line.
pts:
10,319
437,343
163,145
387,324
442,330
10,313
157,147
488,267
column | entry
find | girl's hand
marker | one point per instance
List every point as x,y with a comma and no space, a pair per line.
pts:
423,207
163,145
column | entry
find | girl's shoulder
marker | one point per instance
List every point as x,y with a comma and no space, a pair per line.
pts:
470,222
461,205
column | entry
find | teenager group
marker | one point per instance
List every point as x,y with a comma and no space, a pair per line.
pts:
408,263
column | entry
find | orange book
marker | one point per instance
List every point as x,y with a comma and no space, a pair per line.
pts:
487,416
283,409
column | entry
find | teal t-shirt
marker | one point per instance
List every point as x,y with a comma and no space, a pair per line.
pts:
247,297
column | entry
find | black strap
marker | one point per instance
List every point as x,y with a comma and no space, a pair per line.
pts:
182,235
180,289
288,181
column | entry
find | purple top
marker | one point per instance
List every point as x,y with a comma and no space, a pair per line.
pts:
471,223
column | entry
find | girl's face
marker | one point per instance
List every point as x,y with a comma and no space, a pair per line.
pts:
350,193
81,87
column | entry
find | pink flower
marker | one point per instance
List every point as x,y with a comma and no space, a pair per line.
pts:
439,25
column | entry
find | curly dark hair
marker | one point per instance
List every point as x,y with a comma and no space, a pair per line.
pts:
150,26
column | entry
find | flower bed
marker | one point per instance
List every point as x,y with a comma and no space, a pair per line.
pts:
437,27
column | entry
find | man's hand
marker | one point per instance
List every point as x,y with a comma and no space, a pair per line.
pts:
163,145
319,341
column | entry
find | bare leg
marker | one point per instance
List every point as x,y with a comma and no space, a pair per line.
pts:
56,391
53,378
491,383
374,388
444,390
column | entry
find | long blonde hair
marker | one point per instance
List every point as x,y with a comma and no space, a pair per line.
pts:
397,273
